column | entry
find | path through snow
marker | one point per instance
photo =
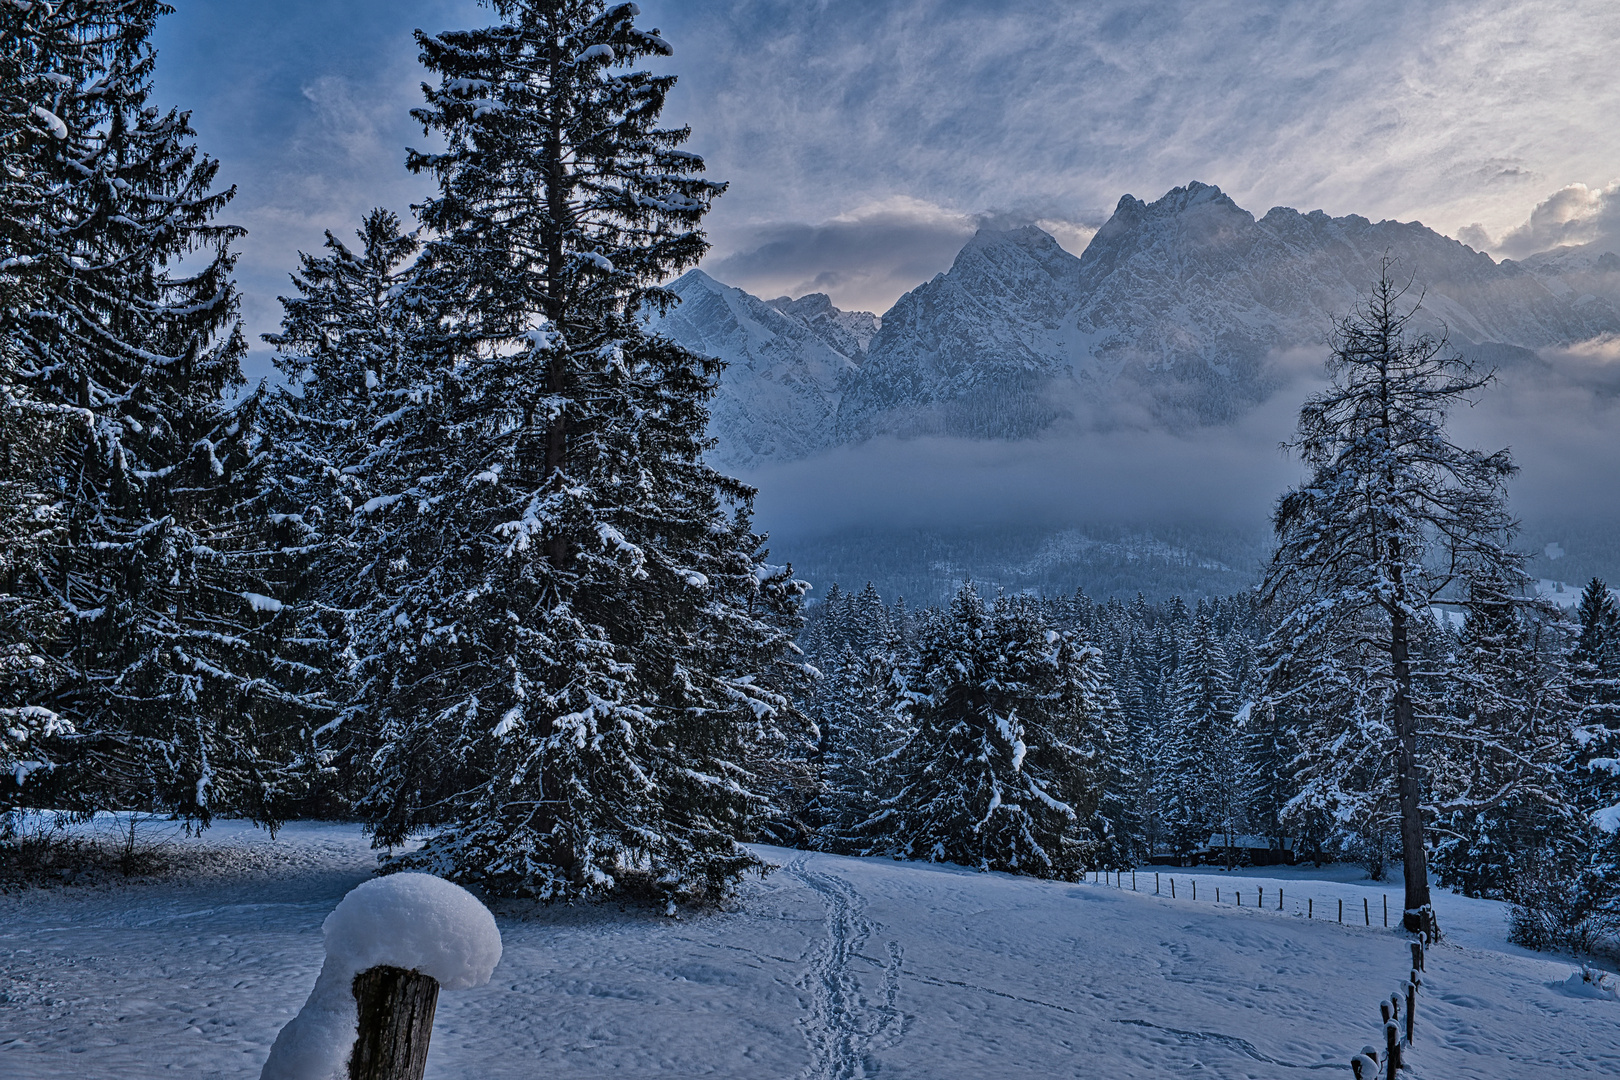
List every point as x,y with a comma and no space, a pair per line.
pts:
844,1027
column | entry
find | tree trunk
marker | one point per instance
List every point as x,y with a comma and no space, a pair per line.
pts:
1418,914
396,1021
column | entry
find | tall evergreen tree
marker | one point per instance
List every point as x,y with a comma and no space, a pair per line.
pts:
1594,764
1207,780
1394,514
579,648
30,427
338,430
999,771
857,719
163,623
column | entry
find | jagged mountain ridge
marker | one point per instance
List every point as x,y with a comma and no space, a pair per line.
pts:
785,359
1172,317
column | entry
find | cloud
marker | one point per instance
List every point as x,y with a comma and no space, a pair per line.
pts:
1556,413
1118,474
1378,107
865,259
1575,214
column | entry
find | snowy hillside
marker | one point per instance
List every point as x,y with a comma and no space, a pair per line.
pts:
1175,311
829,967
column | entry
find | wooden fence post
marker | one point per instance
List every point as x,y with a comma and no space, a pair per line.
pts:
1417,955
396,1021
1392,1049
1341,909
1279,898
1310,907
1386,911
1155,883
1366,912
1172,888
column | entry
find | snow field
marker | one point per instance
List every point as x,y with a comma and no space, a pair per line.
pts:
829,967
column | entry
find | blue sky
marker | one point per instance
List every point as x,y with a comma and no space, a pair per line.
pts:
865,141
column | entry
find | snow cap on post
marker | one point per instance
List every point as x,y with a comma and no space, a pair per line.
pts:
417,922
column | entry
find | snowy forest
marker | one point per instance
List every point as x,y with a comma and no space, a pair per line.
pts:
463,573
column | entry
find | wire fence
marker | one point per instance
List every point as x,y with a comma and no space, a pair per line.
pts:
1277,896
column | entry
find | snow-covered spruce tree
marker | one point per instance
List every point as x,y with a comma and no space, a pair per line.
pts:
1207,778
340,436
1394,514
30,428
855,713
1594,764
1494,755
164,626
997,773
1594,663
577,647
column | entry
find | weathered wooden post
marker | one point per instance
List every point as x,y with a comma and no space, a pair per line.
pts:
1279,898
1365,1063
1366,912
1261,903
1392,1049
1341,909
1310,907
1155,883
1417,955
1386,911
391,945
395,1009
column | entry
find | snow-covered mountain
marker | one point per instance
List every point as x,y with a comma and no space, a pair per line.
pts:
1173,317
785,360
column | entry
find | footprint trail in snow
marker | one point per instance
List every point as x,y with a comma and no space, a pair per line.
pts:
845,1026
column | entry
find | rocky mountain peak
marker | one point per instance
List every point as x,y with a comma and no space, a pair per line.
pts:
1174,311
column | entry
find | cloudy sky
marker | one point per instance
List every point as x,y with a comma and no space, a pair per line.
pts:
865,141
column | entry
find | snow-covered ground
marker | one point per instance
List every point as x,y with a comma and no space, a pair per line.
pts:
829,967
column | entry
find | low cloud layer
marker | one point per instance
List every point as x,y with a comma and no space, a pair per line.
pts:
1558,416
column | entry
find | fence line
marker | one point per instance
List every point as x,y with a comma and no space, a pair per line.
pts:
1165,885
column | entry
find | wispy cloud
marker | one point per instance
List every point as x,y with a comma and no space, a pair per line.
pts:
859,138
1450,113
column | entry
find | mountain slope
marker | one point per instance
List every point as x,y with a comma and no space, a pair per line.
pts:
778,399
1177,306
